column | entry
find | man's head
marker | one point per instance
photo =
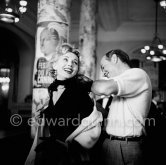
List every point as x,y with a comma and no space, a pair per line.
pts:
114,62
49,40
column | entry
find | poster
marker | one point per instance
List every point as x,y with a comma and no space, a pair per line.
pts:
52,31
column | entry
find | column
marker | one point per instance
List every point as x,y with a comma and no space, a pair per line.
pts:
53,20
87,38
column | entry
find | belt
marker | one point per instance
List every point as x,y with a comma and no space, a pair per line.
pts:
129,138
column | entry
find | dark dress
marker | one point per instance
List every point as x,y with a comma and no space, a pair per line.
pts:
63,118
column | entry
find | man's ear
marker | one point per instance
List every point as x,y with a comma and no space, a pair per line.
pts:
114,58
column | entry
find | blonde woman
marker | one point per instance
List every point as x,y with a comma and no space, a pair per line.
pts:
72,120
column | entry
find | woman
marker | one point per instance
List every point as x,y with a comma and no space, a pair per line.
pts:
69,103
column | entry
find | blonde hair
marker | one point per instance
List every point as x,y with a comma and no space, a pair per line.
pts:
66,47
63,49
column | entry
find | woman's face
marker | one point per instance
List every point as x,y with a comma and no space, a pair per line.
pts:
66,66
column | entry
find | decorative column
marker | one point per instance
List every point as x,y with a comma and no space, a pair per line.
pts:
87,38
52,30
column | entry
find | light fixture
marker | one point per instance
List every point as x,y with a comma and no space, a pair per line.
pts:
4,80
163,3
156,51
11,10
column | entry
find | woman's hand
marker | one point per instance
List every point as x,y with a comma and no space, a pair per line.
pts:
39,113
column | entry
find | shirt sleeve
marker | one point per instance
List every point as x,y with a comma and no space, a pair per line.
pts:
132,82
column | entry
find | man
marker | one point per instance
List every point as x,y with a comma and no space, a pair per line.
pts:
49,42
155,127
131,90
155,118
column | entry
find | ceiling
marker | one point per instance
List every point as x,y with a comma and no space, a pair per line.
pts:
116,19
128,24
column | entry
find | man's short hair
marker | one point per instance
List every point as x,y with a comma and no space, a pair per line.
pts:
120,54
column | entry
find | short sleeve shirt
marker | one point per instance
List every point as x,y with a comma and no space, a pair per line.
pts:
130,107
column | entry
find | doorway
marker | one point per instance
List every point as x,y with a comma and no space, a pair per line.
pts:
4,92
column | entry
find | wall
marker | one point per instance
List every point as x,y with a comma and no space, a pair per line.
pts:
25,46
131,48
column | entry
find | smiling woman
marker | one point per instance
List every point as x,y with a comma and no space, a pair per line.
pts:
67,64
69,103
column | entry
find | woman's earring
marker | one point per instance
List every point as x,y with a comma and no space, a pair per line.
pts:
53,73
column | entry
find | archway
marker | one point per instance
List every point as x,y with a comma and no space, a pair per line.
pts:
9,62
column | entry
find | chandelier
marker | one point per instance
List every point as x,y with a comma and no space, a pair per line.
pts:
11,10
163,3
156,51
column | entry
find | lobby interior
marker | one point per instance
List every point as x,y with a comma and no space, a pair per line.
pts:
124,24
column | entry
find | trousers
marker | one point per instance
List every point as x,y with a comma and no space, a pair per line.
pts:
120,152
